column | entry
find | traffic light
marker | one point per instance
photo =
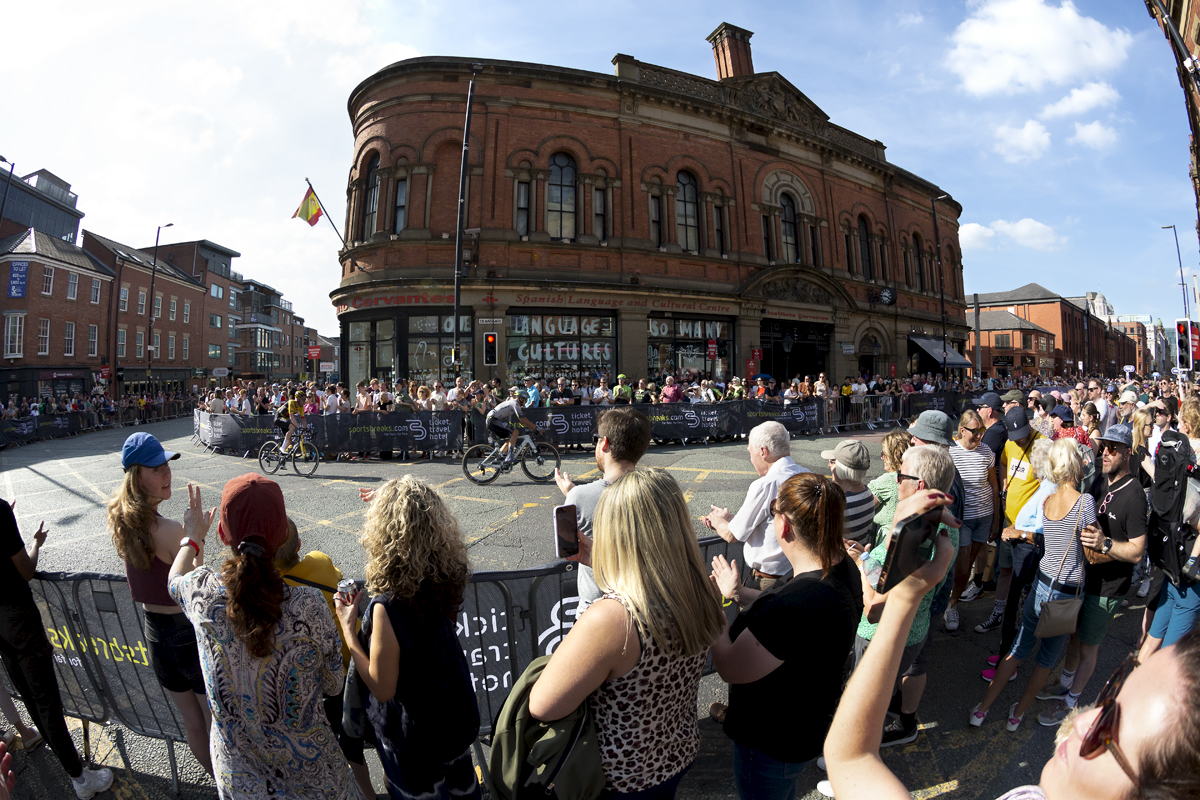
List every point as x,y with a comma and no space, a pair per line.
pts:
1183,345
490,350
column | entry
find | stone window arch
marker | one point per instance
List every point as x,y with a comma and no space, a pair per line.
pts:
866,258
370,205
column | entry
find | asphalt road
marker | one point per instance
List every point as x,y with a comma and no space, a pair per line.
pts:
67,482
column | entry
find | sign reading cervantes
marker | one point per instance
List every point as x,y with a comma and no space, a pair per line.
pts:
797,290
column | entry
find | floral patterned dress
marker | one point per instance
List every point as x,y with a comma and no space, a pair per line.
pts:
270,737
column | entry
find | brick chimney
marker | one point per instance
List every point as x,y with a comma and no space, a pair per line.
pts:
731,48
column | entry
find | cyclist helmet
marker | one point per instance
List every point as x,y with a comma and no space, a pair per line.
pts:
300,394
524,395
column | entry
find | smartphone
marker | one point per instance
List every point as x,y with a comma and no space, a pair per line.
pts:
911,546
566,531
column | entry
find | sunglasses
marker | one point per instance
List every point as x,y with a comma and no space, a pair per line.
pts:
1103,733
972,431
900,476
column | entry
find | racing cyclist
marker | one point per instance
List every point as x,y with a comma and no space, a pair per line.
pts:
291,414
499,423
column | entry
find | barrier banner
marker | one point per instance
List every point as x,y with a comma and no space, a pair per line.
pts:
19,431
54,426
339,433
801,417
696,420
937,401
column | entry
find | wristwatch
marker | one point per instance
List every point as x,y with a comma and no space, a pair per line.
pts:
187,541
1107,545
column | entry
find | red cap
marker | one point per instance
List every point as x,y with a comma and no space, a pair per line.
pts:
252,506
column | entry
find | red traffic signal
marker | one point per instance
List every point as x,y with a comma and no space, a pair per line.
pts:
491,355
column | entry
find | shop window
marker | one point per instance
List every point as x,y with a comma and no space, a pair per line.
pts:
560,345
93,337
560,203
788,225
866,262
523,208
370,198
95,291
72,286
687,225
43,337
401,204
701,347
431,345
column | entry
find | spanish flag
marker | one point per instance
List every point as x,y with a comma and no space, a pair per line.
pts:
310,208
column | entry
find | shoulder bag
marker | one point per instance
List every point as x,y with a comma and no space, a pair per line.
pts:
1061,617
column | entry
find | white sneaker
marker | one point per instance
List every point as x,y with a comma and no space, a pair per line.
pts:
1144,588
92,782
972,592
825,788
950,618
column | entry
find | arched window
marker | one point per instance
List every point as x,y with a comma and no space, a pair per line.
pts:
788,225
560,205
370,198
908,279
866,262
687,226
918,263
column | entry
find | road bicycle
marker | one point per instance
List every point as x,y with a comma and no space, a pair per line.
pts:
304,454
483,463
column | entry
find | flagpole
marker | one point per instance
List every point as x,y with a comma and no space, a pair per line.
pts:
455,353
322,205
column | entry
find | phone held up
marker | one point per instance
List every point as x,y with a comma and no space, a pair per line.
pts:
912,545
566,531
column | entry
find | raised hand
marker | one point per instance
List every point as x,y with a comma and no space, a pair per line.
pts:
197,521
726,576
366,495
40,534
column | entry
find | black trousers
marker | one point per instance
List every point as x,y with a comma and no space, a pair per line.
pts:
29,660
1025,563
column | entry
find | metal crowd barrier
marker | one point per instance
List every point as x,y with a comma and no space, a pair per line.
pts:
104,676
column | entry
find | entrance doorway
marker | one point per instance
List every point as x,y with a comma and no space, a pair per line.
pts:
869,349
794,348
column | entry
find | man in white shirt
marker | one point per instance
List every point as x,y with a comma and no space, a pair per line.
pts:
771,455
1095,395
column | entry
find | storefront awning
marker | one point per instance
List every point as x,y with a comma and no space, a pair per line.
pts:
933,347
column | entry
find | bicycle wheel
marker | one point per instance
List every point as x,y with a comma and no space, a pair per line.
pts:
270,458
481,464
541,463
305,458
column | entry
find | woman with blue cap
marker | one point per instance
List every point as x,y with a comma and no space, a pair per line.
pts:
148,543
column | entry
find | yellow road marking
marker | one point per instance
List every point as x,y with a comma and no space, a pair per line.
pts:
935,791
700,478
452,480
478,499
718,471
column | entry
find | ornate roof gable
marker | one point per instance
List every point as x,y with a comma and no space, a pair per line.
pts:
772,95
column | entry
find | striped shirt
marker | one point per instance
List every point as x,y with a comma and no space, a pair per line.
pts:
974,467
1061,537
860,509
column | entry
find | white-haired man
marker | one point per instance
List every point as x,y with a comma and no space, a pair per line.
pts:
770,449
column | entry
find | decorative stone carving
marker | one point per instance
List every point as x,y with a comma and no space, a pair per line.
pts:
772,100
797,290
680,83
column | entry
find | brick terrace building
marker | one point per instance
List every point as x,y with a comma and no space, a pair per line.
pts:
1010,346
640,222
1081,337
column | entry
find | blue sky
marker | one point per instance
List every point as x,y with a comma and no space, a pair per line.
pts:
1060,128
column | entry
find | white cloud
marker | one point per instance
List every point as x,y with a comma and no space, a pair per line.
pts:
911,19
974,236
1080,100
1029,233
1095,135
1011,46
1027,143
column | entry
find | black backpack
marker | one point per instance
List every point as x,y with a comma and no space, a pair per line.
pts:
1170,538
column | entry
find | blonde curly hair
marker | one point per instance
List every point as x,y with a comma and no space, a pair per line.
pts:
131,519
415,549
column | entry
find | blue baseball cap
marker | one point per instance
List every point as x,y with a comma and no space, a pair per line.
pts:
143,449
1064,413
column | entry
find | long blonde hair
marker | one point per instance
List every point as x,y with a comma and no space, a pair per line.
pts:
646,552
1142,417
131,518
415,549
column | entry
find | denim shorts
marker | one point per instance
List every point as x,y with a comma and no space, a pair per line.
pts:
974,531
1051,648
1175,612
174,654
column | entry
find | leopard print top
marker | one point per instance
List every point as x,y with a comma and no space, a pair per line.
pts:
647,720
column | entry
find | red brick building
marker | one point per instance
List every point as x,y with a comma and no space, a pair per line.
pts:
640,222
1084,342
1010,346
1143,358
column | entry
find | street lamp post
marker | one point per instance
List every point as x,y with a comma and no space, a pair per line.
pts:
153,275
455,353
937,243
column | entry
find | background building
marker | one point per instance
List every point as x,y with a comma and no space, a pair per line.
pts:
1010,346
644,222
